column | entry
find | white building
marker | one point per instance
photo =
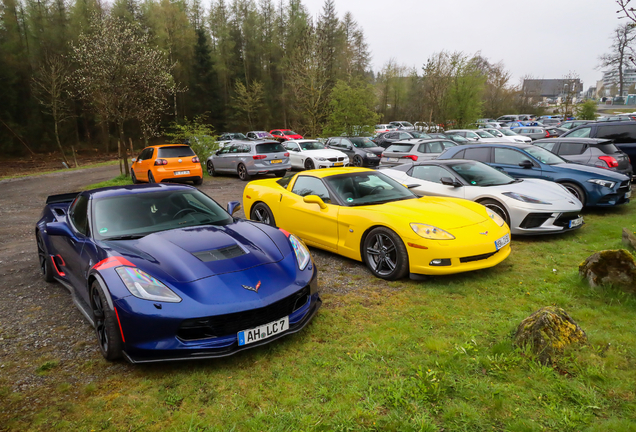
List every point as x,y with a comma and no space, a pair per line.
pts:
610,78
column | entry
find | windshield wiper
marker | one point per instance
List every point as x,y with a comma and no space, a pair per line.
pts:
127,237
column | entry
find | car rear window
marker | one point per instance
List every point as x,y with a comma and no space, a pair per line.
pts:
400,148
608,148
175,151
618,133
269,148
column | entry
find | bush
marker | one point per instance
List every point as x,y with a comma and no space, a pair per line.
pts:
199,135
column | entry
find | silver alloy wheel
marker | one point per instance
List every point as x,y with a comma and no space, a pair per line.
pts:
382,254
242,172
210,169
261,213
498,209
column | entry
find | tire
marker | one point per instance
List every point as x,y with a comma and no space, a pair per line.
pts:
309,164
198,182
496,207
211,171
44,260
357,161
151,178
133,177
280,173
261,213
576,191
385,255
106,327
242,173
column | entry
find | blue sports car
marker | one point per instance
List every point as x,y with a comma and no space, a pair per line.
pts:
164,273
591,185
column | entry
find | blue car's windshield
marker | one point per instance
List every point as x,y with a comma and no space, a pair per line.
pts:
544,155
140,214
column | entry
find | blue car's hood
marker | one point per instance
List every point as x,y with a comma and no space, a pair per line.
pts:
189,254
613,175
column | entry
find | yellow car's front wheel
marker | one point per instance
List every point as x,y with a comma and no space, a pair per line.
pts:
385,254
262,213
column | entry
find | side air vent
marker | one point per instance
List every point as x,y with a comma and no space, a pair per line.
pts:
220,254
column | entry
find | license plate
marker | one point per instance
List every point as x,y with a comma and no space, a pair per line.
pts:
181,172
338,164
247,337
575,222
628,194
393,159
276,161
502,241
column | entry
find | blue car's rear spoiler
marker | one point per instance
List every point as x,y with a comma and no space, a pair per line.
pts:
61,198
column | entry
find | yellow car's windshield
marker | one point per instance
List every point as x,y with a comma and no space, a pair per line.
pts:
367,188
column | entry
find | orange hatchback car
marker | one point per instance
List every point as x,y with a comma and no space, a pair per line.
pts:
175,163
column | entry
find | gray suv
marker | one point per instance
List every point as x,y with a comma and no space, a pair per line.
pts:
247,158
600,153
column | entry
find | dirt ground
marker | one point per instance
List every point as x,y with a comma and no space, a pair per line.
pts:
40,327
13,166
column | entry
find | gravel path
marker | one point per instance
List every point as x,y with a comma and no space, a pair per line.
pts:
45,342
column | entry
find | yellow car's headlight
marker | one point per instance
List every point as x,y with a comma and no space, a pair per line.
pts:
494,216
431,232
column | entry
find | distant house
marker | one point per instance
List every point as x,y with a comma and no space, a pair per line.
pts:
610,79
538,89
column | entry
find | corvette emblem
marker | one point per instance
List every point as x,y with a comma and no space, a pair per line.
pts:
255,289
484,233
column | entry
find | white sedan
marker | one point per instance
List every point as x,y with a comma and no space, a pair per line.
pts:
310,154
506,135
529,206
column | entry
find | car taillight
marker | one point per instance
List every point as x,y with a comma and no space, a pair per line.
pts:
259,157
412,157
286,155
547,134
161,162
609,160
382,155
195,159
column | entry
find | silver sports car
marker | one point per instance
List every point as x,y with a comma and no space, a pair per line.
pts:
529,206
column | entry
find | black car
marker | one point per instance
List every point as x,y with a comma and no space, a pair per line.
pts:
361,150
385,139
596,152
623,133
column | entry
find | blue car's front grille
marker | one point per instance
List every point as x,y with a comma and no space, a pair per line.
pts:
223,325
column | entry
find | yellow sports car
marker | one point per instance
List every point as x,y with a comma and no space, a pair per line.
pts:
365,215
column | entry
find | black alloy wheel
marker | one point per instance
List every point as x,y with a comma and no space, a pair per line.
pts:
133,177
242,173
496,207
309,164
262,213
576,191
210,168
357,161
385,254
151,178
106,328
46,269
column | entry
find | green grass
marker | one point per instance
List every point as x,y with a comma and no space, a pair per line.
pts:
60,170
120,180
400,356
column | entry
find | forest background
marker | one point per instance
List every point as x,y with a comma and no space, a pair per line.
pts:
80,73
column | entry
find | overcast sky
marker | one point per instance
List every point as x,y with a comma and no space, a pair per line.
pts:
543,38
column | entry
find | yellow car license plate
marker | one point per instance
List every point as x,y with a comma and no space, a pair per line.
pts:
276,161
338,164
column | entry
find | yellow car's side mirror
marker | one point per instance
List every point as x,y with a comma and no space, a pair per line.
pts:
315,199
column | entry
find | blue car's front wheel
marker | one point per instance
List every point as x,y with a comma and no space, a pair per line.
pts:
44,260
108,336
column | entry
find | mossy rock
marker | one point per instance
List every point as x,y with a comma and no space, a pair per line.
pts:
610,267
548,332
629,239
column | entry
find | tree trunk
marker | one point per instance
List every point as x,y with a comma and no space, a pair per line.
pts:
105,137
124,153
59,144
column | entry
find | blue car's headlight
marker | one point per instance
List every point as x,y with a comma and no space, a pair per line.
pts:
142,285
606,183
301,251
525,198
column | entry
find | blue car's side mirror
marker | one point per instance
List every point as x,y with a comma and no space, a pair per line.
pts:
58,229
233,206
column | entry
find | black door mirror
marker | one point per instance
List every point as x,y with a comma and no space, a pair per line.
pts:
450,182
526,164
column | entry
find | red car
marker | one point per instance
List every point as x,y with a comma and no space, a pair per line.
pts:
285,134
